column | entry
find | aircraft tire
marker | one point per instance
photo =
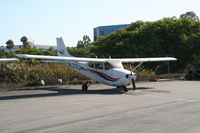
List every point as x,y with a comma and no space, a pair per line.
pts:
84,87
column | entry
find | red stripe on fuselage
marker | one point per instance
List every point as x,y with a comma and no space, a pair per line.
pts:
103,75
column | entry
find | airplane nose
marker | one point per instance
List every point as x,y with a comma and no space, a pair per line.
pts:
134,74
131,76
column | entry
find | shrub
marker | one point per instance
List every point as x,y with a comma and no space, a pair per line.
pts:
32,71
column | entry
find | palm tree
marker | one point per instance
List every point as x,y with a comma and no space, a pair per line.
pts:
24,40
10,44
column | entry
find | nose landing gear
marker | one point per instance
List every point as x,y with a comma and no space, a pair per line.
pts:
123,87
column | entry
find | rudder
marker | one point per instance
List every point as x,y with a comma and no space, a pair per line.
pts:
62,51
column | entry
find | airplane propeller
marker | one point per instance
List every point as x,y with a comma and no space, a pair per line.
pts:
132,78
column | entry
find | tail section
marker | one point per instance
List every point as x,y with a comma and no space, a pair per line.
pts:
62,51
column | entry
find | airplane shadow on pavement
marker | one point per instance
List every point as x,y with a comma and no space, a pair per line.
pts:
49,91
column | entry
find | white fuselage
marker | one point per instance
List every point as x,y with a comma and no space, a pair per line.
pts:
112,76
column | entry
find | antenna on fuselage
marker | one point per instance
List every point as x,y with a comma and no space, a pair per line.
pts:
108,56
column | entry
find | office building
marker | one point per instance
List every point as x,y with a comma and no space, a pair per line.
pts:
106,30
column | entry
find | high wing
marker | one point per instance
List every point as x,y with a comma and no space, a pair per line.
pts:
62,58
148,59
8,59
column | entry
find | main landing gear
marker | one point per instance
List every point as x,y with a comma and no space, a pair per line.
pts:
85,85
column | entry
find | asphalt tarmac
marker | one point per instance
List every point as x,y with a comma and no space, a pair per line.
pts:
155,107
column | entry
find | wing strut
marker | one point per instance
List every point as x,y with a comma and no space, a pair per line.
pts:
132,79
137,66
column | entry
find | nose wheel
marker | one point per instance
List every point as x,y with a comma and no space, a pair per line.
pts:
133,83
125,88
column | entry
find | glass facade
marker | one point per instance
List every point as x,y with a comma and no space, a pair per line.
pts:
106,30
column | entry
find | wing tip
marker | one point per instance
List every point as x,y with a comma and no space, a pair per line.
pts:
173,59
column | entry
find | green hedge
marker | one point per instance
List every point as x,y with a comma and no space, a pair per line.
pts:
36,71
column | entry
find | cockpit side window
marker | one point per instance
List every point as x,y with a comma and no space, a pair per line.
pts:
91,64
99,65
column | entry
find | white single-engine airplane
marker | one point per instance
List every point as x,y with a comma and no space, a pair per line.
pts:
8,59
107,71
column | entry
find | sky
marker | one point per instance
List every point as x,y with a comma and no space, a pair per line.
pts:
44,20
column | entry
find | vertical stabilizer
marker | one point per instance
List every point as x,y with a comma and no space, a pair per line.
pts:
62,51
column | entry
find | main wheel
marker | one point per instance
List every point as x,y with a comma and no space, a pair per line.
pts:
84,87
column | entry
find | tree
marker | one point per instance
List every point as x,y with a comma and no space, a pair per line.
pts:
25,42
136,25
10,44
85,42
190,15
166,37
80,44
51,49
